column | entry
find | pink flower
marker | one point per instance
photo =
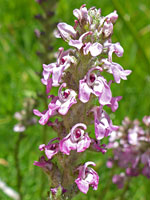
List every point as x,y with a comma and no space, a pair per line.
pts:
96,85
103,123
77,139
52,110
60,104
95,49
108,21
66,99
112,16
82,15
114,48
114,103
51,149
52,73
87,177
116,69
79,43
66,31
107,29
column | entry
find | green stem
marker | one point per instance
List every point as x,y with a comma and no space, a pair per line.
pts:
17,164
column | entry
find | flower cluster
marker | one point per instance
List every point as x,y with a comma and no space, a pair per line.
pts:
79,74
131,150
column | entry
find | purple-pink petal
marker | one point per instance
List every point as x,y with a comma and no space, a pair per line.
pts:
66,31
77,139
84,91
106,94
83,144
66,145
96,49
103,123
82,185
114,103
76,43
65,106
87,177
112,16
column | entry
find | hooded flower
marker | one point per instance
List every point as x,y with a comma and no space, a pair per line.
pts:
96,85
51,149
53,72
115,69
114,103
66,31
60,104
87,177
66,99
112,16
82,15
114,48
103,123
107,24
45,115
107,29
77,139
94,48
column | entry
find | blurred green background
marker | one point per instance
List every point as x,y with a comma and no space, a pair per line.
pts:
18,80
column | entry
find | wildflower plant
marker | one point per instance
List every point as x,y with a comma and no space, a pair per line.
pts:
131,150
80,74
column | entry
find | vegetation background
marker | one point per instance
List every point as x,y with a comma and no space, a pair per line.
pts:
18,46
